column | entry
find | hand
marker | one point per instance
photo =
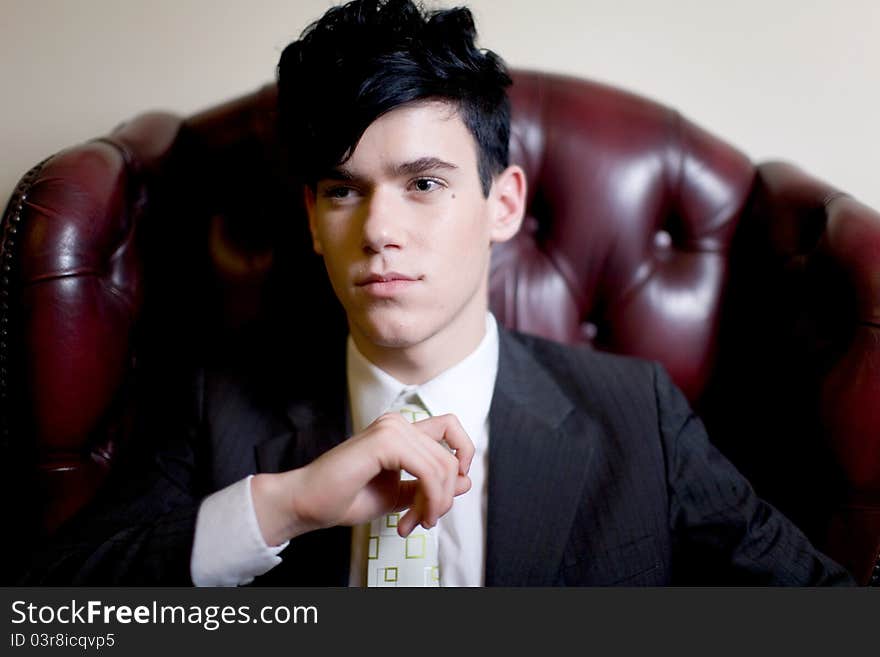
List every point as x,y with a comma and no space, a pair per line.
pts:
359,479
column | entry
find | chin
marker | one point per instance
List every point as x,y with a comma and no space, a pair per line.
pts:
394,337
389,332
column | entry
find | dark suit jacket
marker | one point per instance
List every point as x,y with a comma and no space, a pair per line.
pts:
599,474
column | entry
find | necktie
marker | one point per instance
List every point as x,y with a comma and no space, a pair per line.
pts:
396,561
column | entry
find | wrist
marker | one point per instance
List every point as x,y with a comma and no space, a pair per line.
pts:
273,496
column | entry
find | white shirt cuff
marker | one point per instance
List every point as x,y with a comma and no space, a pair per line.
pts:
228,549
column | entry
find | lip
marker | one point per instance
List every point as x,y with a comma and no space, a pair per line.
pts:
387,277
387,284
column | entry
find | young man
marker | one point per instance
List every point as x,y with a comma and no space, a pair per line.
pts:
525,462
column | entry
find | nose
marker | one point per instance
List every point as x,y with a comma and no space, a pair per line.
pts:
382,226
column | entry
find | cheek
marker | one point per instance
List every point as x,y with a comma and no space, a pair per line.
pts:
336,259
335,242
465,259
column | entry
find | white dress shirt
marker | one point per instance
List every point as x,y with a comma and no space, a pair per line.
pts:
227,517
464,390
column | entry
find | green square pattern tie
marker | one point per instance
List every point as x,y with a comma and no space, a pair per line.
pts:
396,561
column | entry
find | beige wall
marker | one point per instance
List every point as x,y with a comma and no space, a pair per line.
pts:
788,79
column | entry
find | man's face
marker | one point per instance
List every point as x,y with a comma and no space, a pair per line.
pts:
405,230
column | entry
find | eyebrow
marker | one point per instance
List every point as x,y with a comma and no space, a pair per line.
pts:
421,165
414,167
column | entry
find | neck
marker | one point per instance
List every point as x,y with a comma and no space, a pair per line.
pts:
421,362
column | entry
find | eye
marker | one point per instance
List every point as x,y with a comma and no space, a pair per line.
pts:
338,192
426,184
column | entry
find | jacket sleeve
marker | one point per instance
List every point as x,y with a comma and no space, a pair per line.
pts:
719,525
140,528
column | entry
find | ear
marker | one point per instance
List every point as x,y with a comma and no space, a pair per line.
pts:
309,199
507,200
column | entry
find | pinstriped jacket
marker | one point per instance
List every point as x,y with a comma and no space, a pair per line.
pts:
599,474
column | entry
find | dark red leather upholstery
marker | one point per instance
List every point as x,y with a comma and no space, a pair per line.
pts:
631,214
132,259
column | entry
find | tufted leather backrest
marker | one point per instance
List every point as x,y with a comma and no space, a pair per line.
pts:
631,213
132,260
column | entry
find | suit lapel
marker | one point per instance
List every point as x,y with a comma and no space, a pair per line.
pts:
314,425
316,418
538,457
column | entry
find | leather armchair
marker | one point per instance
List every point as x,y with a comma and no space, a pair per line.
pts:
131,260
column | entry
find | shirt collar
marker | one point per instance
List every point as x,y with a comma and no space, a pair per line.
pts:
465,389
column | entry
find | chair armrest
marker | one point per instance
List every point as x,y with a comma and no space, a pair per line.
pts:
835,241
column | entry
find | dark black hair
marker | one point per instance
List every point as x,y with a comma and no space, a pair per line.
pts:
367,57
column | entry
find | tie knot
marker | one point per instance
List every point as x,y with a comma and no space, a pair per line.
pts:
410,406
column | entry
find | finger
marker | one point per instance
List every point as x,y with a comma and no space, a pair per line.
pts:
452,486
406,497
447,472
450,482
448,428
434,496
415,515
405,447
433,467
407,523
409,499
410,520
